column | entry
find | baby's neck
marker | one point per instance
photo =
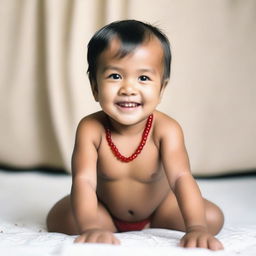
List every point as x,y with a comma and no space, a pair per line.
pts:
126,129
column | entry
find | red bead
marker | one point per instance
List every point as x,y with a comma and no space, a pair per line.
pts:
115,150
145,134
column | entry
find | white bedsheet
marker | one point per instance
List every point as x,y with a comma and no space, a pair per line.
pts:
25,199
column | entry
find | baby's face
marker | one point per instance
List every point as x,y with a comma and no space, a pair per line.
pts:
129,88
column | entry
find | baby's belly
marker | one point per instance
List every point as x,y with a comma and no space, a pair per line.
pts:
131,200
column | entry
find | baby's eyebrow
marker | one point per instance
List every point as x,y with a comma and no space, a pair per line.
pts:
112,68
147,70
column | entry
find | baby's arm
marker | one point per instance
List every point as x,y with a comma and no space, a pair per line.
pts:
84,181
185,188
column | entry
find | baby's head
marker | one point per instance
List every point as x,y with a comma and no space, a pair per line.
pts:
131,34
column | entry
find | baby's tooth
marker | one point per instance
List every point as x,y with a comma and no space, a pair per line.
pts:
128,104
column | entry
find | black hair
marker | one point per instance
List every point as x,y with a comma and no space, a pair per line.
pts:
131,34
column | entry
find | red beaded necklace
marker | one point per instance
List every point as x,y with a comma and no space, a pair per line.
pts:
115,150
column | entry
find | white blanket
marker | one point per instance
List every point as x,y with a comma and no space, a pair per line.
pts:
26,198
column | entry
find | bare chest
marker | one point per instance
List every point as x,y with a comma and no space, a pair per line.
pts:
146,168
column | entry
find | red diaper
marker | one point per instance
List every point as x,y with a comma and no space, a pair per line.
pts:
123,226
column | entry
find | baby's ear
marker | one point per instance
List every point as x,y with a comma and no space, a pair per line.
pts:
94,88
163,86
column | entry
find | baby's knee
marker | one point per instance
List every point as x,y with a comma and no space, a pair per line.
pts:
60,218
215,218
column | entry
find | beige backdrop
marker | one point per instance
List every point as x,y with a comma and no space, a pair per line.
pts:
44,90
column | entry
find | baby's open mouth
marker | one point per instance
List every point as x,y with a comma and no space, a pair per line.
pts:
128,104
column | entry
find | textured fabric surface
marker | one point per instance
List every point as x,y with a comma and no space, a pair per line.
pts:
44,90
26,198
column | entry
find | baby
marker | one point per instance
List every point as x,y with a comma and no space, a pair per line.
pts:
130,168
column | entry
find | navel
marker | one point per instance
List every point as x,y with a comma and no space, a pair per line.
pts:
131,212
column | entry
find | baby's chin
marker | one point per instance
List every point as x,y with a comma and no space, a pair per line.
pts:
128,119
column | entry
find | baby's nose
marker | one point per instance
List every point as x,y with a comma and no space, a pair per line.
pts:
128,89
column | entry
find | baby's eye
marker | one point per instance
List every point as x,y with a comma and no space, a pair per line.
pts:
114,76
144,78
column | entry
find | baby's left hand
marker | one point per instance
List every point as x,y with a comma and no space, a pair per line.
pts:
199,238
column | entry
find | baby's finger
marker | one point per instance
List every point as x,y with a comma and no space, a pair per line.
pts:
104,239
191,243
80,239
215,245
202,243
182,242
115,241
93,238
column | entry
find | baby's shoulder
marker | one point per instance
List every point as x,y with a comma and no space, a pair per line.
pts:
166,125
92,125
96,120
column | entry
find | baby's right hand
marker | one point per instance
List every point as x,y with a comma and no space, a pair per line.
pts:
97,236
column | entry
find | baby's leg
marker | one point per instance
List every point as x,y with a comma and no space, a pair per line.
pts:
168,216
61,219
